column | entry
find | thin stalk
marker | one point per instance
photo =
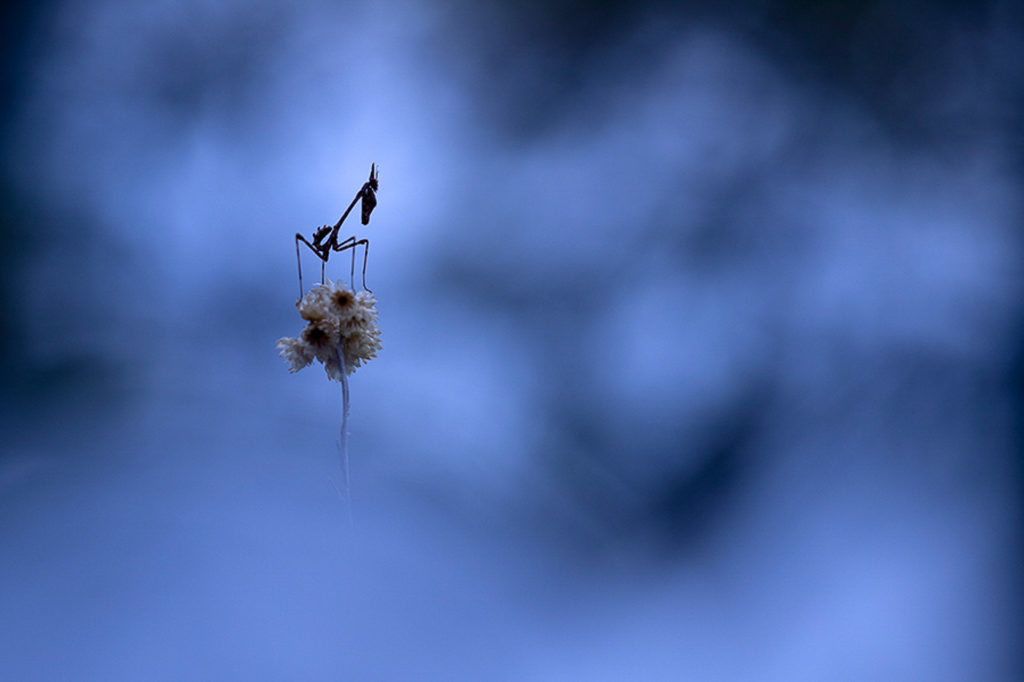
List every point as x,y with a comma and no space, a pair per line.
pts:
346,492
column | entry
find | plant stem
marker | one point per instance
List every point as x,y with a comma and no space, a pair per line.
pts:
346,492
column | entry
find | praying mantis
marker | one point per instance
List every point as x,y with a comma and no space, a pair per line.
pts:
323,248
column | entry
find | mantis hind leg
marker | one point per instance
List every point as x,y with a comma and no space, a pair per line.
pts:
352,243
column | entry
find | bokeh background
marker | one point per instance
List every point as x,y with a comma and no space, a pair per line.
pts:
702,341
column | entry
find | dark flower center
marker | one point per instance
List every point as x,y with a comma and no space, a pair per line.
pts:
314,335
343,299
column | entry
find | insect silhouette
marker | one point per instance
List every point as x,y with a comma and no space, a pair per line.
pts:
325,239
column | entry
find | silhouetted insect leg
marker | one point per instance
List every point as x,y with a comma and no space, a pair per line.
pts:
298,258
352,272
352,243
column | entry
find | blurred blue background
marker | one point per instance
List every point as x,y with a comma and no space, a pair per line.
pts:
702,341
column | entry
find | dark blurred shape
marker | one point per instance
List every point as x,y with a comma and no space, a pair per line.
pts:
18,21
19,41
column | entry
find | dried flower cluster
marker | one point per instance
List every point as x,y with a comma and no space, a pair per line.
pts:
337,317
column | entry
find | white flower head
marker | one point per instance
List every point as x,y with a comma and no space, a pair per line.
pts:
296,352
338,318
